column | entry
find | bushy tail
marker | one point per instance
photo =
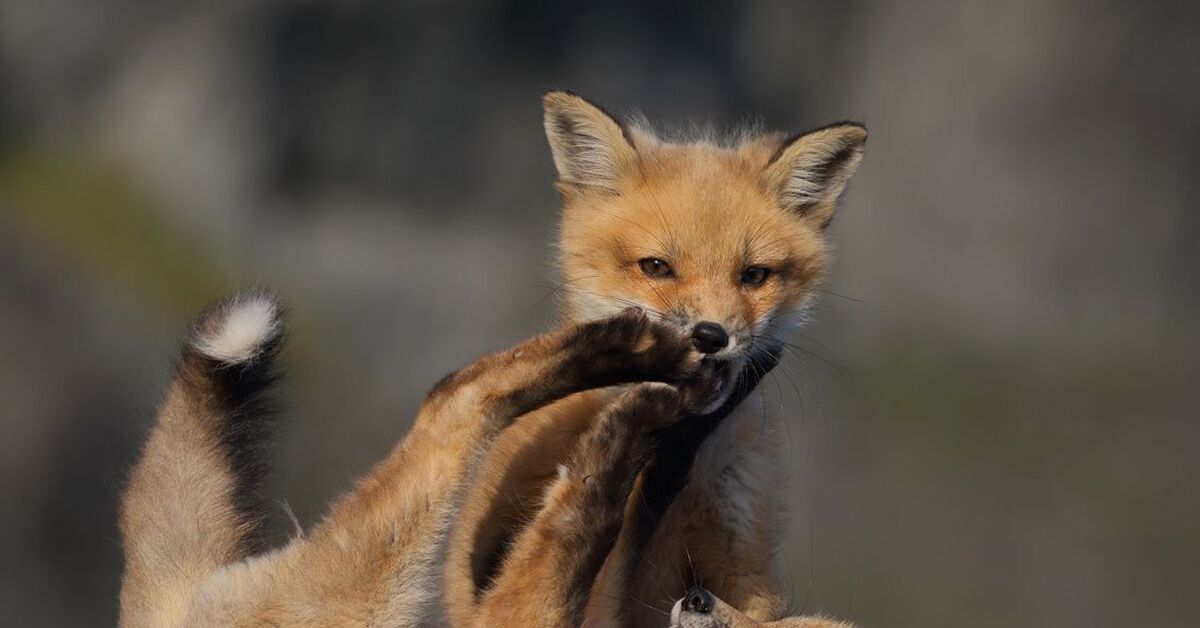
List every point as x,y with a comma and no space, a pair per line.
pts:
192,501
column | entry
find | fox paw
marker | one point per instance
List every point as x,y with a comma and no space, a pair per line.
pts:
639,348
660,404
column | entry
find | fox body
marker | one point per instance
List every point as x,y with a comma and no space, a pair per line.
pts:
547,483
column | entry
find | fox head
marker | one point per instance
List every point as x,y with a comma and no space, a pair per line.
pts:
725,240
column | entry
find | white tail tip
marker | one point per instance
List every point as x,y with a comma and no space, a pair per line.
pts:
239,329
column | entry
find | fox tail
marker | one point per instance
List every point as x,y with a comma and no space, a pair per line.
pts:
192,502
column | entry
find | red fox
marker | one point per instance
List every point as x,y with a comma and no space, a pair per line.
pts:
535,486
726,242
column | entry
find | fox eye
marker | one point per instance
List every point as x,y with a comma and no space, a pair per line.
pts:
755,276
654,267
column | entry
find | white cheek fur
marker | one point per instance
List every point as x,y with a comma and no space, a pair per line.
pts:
588,306
777,325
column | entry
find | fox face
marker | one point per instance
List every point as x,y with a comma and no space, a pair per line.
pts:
725,240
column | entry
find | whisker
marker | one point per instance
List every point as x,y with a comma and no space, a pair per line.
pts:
630,598
805,380
626,302
813,340
650,282
838,294
654,198
633,222
695,576
556,289
812,569
831,363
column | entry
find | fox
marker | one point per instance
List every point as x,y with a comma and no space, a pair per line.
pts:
464,522
725,240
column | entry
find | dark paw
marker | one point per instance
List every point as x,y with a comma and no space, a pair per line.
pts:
704,385
658,405
663,401
638,348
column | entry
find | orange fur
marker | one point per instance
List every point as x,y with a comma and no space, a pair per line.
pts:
470,521
709,210
377,557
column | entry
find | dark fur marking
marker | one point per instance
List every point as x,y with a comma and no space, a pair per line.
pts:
605,460
244,405
675,451
488,570
444,385
824,173
614,451
617,120
794,137
827,169
591,355
599,354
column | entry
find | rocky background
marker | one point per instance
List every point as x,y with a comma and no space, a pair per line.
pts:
992,423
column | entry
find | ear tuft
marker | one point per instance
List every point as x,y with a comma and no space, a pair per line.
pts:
810,171
590,148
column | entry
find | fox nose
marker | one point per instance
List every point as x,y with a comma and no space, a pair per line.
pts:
709,337
698,600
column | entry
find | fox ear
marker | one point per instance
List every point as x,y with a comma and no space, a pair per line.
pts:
590,148
808,172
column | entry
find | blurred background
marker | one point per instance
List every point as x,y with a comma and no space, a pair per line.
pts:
994,421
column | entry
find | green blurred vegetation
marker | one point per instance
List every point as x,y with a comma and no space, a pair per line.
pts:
1067,438
94,214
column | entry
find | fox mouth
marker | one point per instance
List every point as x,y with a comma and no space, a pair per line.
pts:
738,375
727,376
681,618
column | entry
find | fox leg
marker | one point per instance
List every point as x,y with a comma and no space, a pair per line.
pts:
190,505
705,513
546,578
382,546
721,531
506,493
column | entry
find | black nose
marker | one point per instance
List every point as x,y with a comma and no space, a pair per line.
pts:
709,337
698,600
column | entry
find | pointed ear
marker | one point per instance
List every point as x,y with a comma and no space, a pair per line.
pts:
590,148
809,171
